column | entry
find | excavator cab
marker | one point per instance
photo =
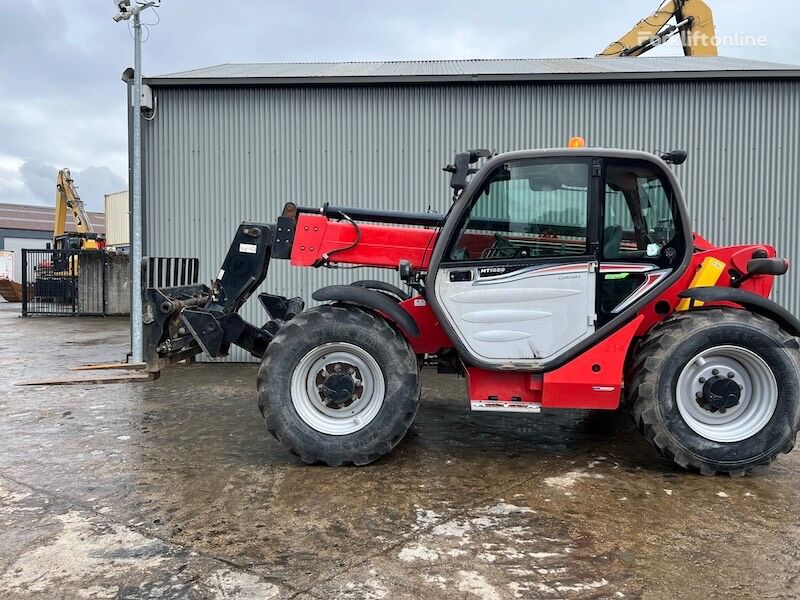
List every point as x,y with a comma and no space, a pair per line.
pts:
85,241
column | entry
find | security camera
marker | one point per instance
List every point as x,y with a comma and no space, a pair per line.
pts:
124,7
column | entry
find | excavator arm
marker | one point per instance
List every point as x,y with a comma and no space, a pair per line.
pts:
694,21
67,199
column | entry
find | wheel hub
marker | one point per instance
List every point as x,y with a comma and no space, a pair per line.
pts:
720,394
338,388
341,387
726,393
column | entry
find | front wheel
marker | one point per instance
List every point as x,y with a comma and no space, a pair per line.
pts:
717,390
338,385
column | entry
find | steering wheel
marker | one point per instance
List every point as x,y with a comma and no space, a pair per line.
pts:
504,247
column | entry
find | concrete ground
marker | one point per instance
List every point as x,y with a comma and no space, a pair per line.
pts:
173,489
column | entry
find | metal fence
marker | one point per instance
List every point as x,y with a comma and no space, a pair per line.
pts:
63,282
93,282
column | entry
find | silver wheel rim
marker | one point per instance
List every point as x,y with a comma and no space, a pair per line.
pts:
757,401
339,365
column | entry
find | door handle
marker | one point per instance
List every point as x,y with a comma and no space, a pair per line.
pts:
460,276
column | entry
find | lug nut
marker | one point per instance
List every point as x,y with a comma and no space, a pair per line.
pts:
722,411
702,380
731,375
698,395
715,372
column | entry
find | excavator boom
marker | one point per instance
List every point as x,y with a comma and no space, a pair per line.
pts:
694,21
67,199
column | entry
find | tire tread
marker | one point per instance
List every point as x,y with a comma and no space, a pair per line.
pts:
644,371
320,318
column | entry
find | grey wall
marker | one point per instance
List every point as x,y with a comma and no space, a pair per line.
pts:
215,156
109,269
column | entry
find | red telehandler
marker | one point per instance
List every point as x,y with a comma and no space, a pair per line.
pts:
559,278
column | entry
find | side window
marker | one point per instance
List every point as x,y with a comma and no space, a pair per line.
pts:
528,210
639,218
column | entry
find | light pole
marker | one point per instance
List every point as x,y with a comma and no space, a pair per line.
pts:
126,11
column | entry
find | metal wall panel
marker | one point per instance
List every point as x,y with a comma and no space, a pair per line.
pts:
215,156
117,219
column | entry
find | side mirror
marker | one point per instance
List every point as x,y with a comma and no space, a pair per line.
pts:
460,169
676,157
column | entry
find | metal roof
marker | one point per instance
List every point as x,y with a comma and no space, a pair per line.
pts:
27,217
480,71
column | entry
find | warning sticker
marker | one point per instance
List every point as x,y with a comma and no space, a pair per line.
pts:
247,248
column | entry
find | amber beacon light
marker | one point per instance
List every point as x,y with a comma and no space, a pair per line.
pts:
576,142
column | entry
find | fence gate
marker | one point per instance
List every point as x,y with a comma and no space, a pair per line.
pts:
63,282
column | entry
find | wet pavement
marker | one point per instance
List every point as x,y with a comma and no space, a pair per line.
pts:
173,489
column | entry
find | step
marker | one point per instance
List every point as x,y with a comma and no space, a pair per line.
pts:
510,406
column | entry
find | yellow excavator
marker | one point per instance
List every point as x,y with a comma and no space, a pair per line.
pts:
68,200
55,278
694,22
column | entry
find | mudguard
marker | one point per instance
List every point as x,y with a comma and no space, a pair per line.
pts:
370,299
752,302
382,286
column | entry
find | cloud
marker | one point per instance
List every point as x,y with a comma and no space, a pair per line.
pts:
94,182
39,179
34,182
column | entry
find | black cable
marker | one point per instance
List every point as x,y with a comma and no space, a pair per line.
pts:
325,259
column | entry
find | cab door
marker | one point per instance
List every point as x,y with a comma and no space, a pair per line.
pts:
641,243
517,283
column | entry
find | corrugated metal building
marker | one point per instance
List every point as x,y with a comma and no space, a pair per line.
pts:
31,227
235,142
117,220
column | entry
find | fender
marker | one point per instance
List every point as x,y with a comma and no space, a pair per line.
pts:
752,302
351,294
382,286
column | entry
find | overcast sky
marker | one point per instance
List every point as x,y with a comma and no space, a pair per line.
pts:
62,102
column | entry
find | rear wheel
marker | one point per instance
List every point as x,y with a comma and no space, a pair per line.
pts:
338,385
717,390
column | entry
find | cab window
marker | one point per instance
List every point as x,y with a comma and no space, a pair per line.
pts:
639,215
532,209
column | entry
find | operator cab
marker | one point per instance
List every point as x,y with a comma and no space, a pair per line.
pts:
545,249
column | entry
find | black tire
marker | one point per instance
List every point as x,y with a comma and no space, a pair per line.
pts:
339,324
671,346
